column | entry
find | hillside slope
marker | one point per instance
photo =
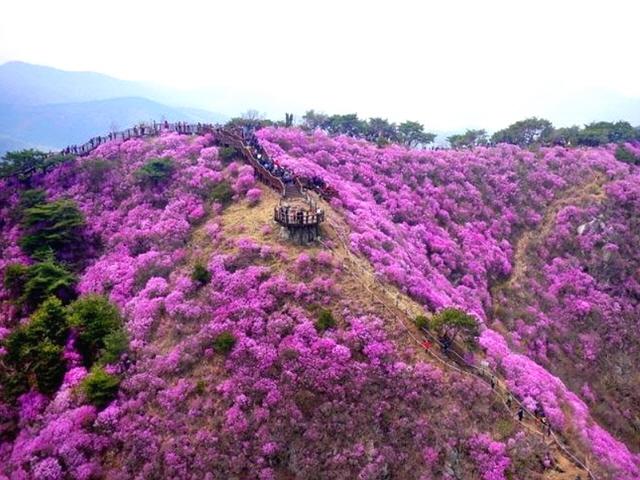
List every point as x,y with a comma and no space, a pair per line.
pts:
290,398
442,226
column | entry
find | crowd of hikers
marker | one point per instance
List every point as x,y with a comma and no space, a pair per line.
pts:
314,183
271,165
288,214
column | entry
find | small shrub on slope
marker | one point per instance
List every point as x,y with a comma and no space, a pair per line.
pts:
97,170
51,226
143,275
325,321
227,154
200,274
50,322
155,171
31,198
624,155
45,279
221,193
115,343
94,318
48,367
452,322
100,387
35,350
224,342
421,322
15,277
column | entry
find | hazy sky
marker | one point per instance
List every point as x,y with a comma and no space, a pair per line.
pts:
447,63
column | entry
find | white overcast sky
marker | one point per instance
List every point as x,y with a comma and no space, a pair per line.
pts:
447,63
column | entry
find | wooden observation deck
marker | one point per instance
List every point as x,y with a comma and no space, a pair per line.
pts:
297,213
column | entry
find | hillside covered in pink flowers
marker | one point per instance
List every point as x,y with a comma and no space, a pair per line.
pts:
225,351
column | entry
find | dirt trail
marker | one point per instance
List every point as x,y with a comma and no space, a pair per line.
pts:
524,254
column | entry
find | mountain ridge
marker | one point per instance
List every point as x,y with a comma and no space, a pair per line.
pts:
57,125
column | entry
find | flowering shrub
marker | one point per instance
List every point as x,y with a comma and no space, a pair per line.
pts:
490,456
289,399
254,195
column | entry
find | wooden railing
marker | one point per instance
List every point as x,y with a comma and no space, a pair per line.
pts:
230,138
227,136
297,218
140,131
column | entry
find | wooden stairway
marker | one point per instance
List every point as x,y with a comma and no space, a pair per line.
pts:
291,190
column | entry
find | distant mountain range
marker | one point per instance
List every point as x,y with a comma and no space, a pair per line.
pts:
47,108
59,124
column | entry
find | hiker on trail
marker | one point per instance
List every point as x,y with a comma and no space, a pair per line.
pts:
317,182
509,400
493,383
520,414
548,459
446,344
126,362
484,367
